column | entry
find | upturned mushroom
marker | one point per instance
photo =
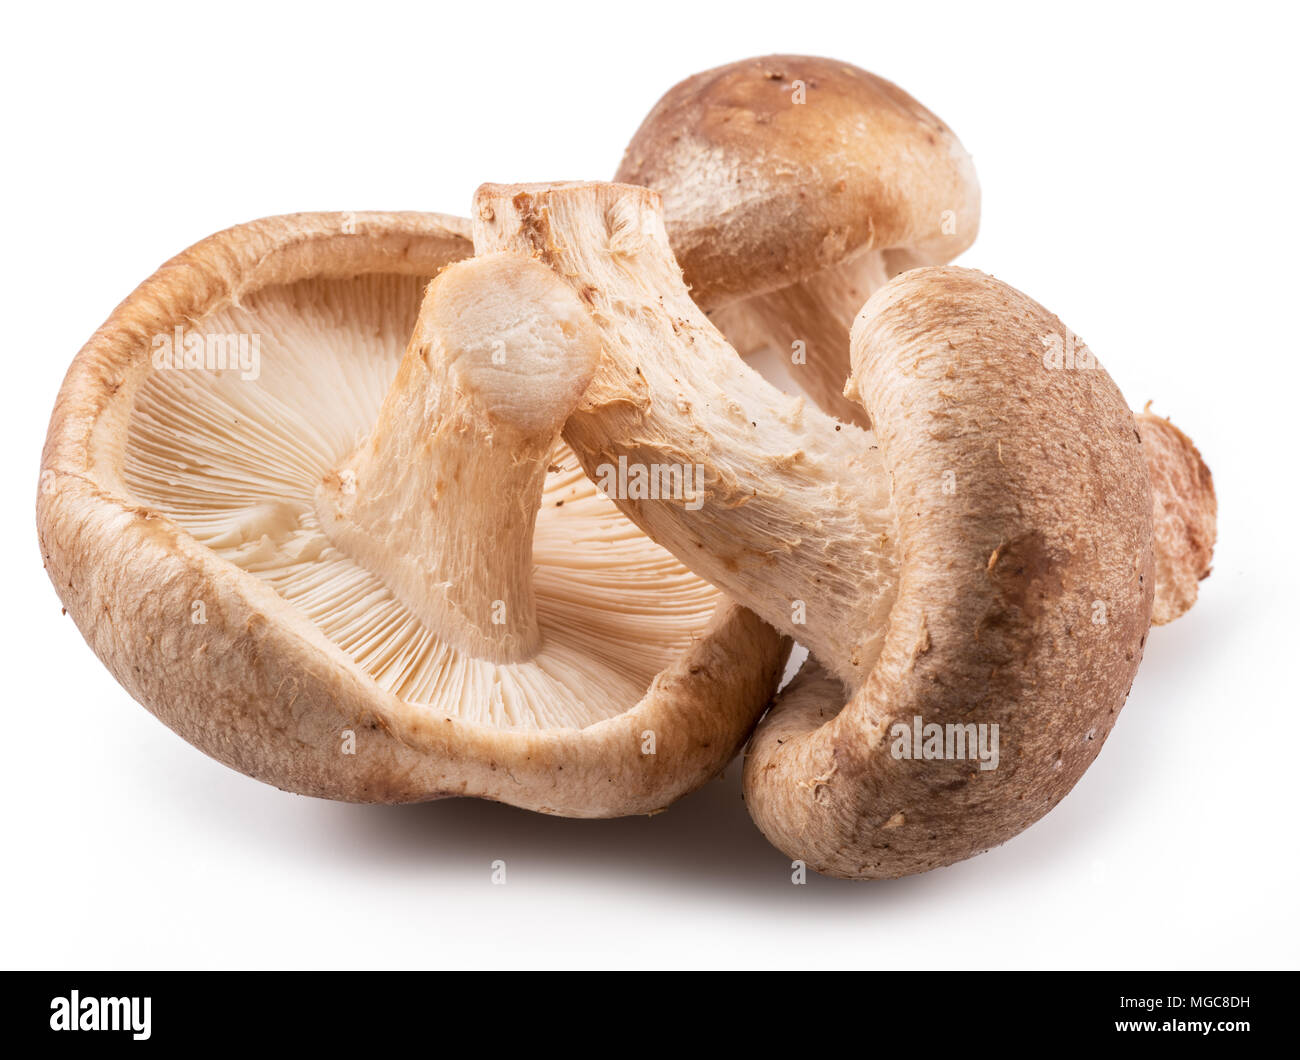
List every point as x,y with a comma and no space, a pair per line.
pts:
364,568
980,564
793,187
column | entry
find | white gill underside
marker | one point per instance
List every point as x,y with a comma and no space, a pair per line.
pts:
236,462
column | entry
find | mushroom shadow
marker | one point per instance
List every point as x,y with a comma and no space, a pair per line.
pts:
705,839
705,836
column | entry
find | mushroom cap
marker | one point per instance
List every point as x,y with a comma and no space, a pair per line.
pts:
175,522
1185,515
761,192
1024,524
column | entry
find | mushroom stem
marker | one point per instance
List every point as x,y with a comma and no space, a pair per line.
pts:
798,522
796,519
500,355
809,322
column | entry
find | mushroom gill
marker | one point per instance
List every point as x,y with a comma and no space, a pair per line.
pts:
234,455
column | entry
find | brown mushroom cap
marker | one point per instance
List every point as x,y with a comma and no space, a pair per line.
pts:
175,520
761,191
1025,526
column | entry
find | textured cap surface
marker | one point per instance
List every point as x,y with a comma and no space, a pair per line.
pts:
774,168
1024,523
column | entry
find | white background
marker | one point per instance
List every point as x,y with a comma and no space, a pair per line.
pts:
1138,166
